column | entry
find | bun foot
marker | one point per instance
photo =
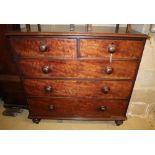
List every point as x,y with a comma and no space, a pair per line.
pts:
36,120
118,122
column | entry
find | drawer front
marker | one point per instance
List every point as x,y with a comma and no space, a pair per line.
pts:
104,89
79,69
48,69
62,107
103,69
36,47
121,48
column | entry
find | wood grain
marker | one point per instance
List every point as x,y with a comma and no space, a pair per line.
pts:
77,62
99,48
108,32
73,107
96,69
57,68
78,69
78,88
29,47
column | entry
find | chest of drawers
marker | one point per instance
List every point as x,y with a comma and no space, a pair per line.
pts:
77,76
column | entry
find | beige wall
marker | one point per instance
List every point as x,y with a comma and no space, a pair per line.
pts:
143,97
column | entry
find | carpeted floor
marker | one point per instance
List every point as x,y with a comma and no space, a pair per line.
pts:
21,122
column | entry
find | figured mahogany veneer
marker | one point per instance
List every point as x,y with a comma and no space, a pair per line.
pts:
72,107
99,48
31,47
78,88
77,69
71,76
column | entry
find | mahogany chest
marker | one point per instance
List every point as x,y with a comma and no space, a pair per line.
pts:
82,76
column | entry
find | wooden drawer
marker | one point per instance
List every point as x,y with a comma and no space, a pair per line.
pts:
99,48
78,88
103,69
37,47
72,107
79,69
48,69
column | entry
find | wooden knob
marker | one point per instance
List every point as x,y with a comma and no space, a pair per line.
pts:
48,89
51,107
103,108
45,69
108,70
111,48
105,90
43,48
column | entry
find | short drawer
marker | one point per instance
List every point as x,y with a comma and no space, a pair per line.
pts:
119,48
72,107
38,47
78,88
78,69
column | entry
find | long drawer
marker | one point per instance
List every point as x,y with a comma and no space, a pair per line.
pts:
72,107
119,48
78,88
79,69
39,47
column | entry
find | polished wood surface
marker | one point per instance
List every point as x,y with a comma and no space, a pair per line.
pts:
78,75
71,107
78,88
7,66
80,30
30,47
56,68
99,48
77,69
11,90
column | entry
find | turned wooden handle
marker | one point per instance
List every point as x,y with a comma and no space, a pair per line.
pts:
108,70
51,107
45,69
105,90
43,48
111,48
48,89
103,108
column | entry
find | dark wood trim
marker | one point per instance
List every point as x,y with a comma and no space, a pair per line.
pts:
117,28
9,78
39,27
77,79
28,28
78,48
69,97
77,37
78,118
79,58
77,34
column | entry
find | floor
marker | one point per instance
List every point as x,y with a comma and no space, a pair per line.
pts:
21,122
